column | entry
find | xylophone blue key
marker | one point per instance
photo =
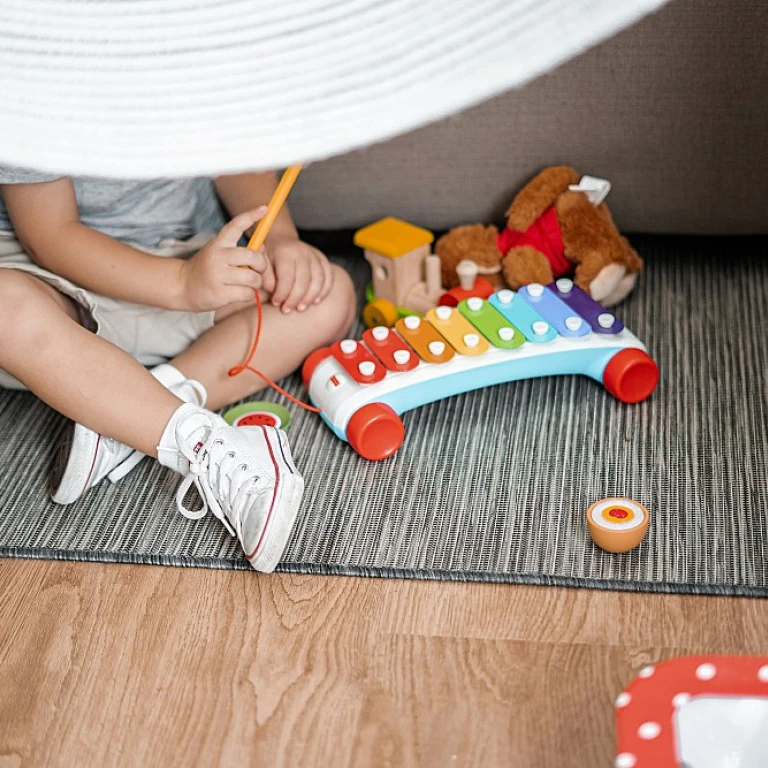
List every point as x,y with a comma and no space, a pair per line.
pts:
601,320
523,317
554,310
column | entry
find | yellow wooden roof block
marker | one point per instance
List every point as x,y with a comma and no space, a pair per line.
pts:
392,237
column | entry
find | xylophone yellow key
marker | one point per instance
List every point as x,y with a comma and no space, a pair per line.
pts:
460,333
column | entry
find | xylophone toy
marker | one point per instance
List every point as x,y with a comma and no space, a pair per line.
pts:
363,386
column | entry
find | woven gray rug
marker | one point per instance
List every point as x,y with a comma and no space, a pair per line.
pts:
492,485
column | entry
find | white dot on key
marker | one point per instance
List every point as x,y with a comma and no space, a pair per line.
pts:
412,322
436,348
506,333
535,290
564,285
402,356
444,313
475,304
471,340
348,346
505,296
367,368
606,320
573,323
380,333
540,328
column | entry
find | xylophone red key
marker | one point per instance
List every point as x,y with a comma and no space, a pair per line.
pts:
387,345
358,362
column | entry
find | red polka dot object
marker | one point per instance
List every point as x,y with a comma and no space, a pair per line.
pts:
648,709
617,524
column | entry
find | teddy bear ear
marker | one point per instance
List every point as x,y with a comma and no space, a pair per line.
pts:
538,195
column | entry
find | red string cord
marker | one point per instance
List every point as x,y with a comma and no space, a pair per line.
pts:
246,364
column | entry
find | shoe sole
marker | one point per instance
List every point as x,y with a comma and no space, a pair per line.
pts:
289,489
80,442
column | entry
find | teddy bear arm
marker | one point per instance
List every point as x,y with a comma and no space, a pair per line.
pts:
524,265
538,195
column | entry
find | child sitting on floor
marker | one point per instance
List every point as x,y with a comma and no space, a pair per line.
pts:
99,278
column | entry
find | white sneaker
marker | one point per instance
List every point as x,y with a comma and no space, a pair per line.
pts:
245,476
85,457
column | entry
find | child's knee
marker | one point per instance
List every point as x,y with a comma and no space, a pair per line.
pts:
22,297
340,306
17,301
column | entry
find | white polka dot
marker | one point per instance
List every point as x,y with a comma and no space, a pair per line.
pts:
706,671
623,699
762,674
646,671
625,760
680,699
649,731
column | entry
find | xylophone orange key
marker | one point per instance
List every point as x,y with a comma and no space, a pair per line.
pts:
428,344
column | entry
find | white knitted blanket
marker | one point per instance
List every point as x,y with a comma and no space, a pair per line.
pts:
138,88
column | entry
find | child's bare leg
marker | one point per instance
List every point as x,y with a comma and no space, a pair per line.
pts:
286,340
80,375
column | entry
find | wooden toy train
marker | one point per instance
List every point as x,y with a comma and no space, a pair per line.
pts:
363,386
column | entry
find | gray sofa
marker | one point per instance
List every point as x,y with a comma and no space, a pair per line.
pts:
673,111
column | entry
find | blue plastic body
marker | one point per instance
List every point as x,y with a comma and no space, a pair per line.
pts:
591,363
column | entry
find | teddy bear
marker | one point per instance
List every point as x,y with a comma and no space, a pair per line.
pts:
557,226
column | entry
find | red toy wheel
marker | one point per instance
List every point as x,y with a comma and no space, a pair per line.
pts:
312,362
375,431
630,376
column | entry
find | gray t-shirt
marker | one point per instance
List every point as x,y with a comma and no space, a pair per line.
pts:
142,212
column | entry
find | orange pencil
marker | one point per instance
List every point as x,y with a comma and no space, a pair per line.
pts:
275,204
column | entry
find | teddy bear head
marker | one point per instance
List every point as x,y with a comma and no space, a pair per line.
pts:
470,249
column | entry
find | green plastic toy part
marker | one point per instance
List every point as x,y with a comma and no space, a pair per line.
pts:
258,414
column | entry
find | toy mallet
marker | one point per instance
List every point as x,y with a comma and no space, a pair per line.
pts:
275,205
257,240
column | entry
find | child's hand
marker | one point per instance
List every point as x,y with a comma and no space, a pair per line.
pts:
302,275
214,277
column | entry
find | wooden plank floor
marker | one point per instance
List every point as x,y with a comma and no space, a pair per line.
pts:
136,665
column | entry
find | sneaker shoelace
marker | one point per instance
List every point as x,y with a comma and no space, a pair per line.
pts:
219,476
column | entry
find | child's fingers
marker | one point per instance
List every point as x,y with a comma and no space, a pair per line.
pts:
301,283
285,275
328,276
315,286
268,278
245,257
231,233
245,277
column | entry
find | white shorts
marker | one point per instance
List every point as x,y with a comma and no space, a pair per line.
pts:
150,335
